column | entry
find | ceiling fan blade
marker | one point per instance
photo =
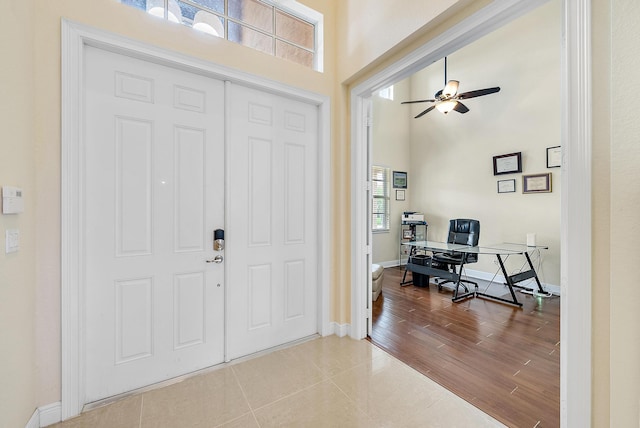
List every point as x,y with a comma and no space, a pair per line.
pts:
451,88
461,108
478,93
418,101
425,112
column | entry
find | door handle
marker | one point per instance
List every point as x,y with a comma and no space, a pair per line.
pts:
216,259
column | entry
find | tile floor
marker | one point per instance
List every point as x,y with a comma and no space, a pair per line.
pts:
325,382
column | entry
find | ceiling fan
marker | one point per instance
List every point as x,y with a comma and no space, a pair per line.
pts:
448,99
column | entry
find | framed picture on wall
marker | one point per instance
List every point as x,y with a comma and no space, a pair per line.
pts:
507,164
399,180
554,157
399,195
536,183
507,186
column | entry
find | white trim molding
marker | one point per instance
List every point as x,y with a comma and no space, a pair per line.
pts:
340,330
75,37
360,230
50,414
45,415
576,287
34,420
575,217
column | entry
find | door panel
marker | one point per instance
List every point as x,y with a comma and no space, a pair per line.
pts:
272,254
154,191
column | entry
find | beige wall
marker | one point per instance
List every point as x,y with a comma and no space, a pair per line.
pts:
601,216
385,24
17,168
624,209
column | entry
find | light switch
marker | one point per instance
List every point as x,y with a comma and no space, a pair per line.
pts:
12,240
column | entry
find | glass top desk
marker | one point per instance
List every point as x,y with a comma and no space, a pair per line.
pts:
501,251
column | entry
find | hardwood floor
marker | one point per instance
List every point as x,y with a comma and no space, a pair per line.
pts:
501,359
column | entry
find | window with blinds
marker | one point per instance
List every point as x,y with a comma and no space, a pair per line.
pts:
380,198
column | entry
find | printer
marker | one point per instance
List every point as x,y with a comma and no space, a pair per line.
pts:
412,217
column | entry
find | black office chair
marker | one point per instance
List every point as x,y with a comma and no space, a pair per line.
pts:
465,232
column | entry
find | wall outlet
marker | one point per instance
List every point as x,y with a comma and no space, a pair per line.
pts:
12,240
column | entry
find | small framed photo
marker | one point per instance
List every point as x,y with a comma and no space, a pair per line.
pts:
507,186
554,157
399,195
536,183
406,234
399,180
507,164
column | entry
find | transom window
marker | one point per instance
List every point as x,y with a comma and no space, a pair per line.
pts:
386,93
291,33
380,198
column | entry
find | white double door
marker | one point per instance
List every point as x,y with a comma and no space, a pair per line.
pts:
158,142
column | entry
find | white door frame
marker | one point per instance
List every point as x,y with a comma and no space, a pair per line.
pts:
576,288
74,38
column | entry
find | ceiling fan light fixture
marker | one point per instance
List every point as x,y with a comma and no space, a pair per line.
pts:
446,106
451,88
446,99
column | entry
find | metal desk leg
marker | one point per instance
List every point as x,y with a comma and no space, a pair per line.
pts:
458,283
404,281
510,284
535,274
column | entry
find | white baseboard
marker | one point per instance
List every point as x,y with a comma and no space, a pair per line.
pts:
45,415
50,414
341,330
34,421
390,264
486,276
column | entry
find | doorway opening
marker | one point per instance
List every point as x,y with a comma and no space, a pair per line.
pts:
575,379
475,345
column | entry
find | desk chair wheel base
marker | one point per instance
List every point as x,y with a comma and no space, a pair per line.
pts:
458,297
466,289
